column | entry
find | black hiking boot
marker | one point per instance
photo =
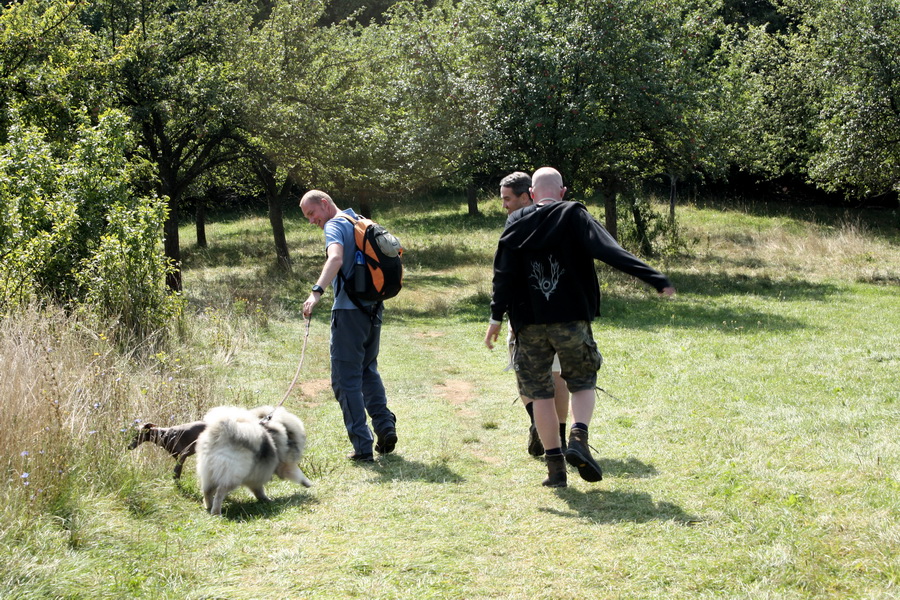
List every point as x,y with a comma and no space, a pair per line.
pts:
535,447
578,454
365,457
556,471
386,441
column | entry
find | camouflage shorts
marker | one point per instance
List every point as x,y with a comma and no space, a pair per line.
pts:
578,357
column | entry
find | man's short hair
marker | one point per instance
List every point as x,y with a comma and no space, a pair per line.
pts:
518,182
312,195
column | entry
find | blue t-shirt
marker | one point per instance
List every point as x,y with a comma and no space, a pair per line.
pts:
340,231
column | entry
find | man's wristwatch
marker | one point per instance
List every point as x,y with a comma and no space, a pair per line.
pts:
318,288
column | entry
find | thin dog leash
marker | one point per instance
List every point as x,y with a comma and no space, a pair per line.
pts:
268,417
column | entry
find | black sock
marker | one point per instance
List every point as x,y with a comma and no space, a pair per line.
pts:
579,426
562,433
529,408
553,452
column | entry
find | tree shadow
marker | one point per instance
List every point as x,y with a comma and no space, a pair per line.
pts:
723,284
393,467
611,506
692,307
634,315
882,222
458,223
228,251
445,255
469,309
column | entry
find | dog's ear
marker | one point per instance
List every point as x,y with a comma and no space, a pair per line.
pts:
149,426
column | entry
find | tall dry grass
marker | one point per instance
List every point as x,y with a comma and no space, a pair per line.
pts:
846,249
70,399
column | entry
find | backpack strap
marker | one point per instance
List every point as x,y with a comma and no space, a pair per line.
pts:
370,311
359,232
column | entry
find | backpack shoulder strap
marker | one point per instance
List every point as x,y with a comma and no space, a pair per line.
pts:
359,228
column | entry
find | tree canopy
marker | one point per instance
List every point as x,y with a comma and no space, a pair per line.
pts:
386,99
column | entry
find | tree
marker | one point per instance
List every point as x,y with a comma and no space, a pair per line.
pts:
364,112
773,101
172,68
75,230
436,94
47,72
297,79
855,53
611,93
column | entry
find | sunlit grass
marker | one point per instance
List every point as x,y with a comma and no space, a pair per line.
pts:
747,430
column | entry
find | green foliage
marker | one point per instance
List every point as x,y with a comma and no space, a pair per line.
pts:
374,110
605,90
124,276
856,46
821,99
74,230
773,101
437,92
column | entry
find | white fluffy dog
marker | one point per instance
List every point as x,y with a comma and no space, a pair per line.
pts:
238,447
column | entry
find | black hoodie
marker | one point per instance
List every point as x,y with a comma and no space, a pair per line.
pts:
544,265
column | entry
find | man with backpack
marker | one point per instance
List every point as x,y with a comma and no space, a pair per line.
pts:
544,278
355,332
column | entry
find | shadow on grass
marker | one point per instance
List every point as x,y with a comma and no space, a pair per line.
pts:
629,468
445,255
638,313
609,506
654,314
723,284
474,309
244,510
393,467
248,509
456,223
882,222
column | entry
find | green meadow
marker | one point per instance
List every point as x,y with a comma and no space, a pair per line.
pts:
747,428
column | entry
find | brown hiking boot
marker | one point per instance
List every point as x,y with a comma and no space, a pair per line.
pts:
535,447
578,454
556,471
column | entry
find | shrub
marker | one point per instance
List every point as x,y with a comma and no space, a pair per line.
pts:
75,231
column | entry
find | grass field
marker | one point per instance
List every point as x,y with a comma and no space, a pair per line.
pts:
747,432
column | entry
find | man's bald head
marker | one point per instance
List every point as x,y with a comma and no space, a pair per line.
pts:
547,184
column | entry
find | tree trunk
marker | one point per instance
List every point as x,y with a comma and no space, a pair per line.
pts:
267,173
276,219
472,198
200,217
640,226
171,246
673,195
365,206
610,194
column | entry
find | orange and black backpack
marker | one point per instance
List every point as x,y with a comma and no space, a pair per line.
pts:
378,268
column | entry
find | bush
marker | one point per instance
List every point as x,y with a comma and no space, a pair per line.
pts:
75,231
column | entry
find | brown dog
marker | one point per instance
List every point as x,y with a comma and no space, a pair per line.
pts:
179,440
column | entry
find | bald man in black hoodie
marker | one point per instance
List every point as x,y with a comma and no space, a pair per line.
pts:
544,278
